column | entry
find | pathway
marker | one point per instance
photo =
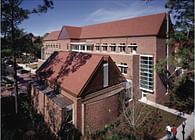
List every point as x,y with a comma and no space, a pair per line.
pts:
189,122
28,68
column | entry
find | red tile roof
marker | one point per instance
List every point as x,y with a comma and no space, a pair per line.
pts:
139,26
52,36
70,69
70,32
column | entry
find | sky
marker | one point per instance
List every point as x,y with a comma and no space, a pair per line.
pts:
86,12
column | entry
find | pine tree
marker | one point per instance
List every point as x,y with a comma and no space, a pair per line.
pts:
12,16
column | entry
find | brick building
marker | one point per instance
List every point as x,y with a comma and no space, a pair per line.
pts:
85,86
135,45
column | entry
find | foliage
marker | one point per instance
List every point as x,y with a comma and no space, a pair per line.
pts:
141,121
12,12
183,97
67,130
12,15
38,127
152,127
182,39
27,124
183,12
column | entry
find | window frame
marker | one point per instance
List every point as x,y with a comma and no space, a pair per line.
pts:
113,48
122,48
103,48
97,46
146,73
123,67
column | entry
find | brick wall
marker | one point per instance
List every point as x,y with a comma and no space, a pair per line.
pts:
102,112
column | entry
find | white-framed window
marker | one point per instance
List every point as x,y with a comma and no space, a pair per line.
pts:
89,48
122,49
105,48
128,90
75,47
97,48
113,48
82,47
133,47
146,72
123,68
68,114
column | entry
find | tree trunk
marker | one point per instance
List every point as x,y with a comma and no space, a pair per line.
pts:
14,54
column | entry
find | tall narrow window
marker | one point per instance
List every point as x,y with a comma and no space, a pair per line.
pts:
105,74
128,90
68,116
146,73
42,53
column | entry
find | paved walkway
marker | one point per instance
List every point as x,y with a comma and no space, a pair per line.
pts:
26,67
189,122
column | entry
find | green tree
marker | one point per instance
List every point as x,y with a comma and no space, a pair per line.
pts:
12,16
182,38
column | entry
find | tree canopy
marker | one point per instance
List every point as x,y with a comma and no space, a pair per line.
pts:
12,15
182,39
12,12
14,38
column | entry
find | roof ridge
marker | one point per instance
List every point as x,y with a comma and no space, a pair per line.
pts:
119,20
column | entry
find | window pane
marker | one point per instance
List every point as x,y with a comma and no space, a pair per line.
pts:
146,72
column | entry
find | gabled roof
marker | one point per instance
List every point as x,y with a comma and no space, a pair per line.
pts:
70,32
71,70
138,26
52,36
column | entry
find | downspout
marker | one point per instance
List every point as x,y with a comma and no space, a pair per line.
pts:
167,46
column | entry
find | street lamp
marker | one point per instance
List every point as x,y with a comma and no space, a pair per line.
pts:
183,126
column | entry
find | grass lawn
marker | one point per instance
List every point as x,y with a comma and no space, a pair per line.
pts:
154,125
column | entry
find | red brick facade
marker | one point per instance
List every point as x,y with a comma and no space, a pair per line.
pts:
95,104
